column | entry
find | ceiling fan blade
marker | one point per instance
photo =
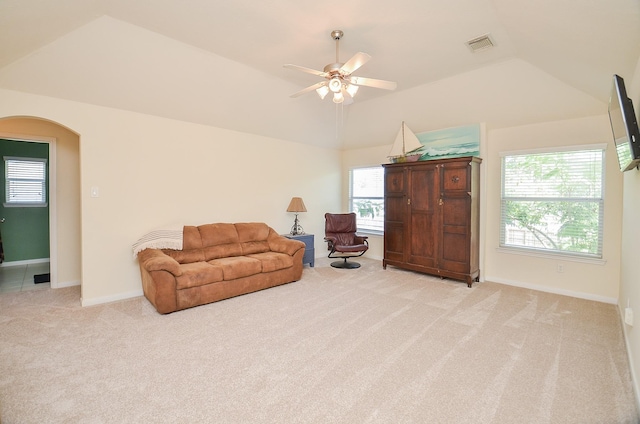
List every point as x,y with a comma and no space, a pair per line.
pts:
310,88
307,70
372,82
354,63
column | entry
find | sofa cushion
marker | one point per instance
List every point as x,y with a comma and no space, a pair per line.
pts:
251,247
185,256
191,238
252,231
217,234
222,240
222,251
273,261
237,266
253,237
197,274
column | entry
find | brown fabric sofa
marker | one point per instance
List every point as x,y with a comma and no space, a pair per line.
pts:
218,261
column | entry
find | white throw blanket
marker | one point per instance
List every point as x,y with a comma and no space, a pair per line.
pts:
166,238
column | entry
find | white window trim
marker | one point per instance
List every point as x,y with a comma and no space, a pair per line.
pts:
568,256
350,198
27,204
551,255
602,146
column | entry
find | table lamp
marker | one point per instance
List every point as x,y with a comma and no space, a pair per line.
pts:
296,205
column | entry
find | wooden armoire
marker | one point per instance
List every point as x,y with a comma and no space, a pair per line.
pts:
432,217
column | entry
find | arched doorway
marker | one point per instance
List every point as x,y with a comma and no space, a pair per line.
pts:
64,195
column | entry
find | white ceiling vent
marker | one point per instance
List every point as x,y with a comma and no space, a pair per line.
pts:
481,43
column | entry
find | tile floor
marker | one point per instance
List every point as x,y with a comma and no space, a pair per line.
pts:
15,278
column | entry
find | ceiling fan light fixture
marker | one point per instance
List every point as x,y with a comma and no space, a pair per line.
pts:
322,91
335,85
339,78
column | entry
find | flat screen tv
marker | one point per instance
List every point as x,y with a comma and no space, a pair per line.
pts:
624,125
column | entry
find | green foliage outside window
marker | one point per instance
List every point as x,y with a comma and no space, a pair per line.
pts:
553,201
368,208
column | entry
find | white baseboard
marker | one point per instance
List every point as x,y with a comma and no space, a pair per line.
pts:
61,285
554,290
629,356
109,299
25,262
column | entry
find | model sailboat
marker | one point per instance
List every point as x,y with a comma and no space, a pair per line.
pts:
406,146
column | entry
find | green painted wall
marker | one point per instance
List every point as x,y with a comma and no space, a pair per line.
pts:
25,232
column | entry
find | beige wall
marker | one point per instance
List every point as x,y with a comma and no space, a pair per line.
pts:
630,269
598,281
152,172
67,269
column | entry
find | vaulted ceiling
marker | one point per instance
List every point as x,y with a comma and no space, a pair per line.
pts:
220,63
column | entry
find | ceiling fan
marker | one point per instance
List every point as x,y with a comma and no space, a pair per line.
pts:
338,76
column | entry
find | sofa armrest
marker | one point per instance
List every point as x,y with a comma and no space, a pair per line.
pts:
157,260
278,243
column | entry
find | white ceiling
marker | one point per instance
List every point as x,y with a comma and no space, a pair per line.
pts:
220,62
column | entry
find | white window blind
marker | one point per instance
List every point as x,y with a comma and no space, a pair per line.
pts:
25,181
553,201
366,198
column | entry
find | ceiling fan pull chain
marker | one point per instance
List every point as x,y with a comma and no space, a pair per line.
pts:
339,119
337,122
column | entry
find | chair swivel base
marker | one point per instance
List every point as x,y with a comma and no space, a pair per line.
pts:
345,265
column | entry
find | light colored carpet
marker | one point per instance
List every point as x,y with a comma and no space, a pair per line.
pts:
339,346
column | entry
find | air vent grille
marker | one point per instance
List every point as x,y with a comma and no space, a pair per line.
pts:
480,43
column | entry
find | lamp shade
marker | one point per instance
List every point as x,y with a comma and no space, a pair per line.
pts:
296,205
352,89
322,91
335,84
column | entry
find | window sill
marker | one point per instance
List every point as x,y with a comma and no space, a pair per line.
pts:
549,255
25,205
370,232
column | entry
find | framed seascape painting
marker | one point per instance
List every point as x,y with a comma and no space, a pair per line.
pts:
450,142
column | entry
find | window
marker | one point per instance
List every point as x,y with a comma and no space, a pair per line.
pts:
553,201
26,183
366,198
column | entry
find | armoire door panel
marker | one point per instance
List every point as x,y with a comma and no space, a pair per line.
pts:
455,210
394,242
455,177
455,252
394,182
422,241
423,189
395,209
